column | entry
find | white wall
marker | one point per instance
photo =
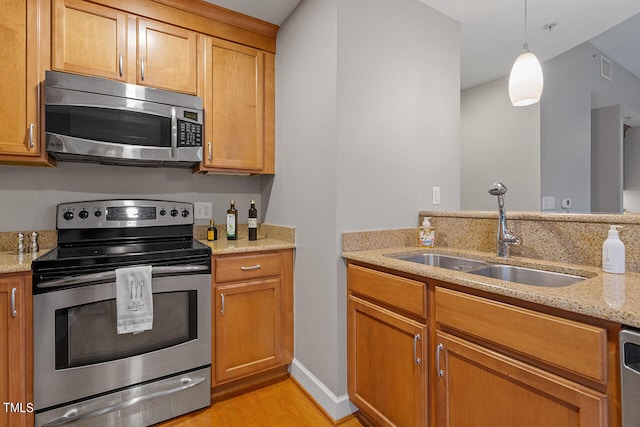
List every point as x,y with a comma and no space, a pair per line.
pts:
498,142
367,108
29,195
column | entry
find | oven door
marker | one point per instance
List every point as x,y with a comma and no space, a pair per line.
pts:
78,353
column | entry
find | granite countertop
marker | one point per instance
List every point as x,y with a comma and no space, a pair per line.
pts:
11,263
613,297
224,246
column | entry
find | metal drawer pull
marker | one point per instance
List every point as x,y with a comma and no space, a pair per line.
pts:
222,304
251,267
14,313
142,68
439,348
416,338
31,142
210,150
120,65
72,415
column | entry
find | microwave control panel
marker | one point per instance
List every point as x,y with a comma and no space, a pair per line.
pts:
189,134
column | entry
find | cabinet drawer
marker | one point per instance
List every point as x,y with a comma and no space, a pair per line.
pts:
573,346
247,267
405,294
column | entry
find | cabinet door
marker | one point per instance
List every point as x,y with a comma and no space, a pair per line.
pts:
248,328
233,93
89,39
166,57
479,387
13,317
387,374
20,47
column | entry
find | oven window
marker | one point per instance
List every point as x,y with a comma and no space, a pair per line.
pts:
109,125
86,334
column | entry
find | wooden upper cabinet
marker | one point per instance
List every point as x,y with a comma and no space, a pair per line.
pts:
238,95
100,41
90,39
166,57
24,45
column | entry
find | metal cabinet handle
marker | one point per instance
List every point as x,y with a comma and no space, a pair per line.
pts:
120,59
251,267
31,141
439,348
142,68
210,150
222,302
14,312
416,338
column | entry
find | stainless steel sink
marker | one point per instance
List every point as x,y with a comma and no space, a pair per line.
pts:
443,261
527,276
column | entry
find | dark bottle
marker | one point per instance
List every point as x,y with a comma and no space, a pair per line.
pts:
253,221
232,222
212,231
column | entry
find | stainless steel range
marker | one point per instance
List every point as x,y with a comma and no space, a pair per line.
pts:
85,372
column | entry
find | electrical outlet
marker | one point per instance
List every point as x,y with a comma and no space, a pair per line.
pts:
203,210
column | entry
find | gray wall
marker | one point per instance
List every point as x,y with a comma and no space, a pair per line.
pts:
498,143
367,110
29,195
572,80
631,193
606,159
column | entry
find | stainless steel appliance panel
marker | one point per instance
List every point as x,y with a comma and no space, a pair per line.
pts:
58,386
630,376
137,406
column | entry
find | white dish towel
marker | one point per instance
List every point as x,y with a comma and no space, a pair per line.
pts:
134,299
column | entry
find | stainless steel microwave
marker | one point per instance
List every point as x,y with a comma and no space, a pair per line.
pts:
90,119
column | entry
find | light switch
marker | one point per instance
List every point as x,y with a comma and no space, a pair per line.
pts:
435,191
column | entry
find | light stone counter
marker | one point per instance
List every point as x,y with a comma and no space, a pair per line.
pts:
606,296
270,237
12,263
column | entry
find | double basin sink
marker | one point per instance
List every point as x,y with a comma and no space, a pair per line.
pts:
510,273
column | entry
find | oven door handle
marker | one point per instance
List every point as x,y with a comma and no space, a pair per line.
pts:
111,275
72,415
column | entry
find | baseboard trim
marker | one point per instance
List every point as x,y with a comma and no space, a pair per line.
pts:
335,407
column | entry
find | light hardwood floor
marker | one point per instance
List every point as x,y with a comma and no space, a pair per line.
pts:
282,404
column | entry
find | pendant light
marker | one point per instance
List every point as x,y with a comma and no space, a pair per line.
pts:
525,80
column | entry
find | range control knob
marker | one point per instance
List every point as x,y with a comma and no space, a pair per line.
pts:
98,214
163,212
83,214
185,213
68,215
174,212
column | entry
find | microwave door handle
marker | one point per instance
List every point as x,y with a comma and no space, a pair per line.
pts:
111,275
72,415
174,132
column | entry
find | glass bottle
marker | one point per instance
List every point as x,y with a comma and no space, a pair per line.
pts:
253,221
212,232
232,222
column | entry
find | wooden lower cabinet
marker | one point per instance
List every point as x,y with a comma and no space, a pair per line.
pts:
386,364
16,370
252,319
479,387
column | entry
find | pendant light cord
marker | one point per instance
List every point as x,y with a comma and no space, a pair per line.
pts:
526,43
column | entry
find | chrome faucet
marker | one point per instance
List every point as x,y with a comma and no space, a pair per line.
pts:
504,237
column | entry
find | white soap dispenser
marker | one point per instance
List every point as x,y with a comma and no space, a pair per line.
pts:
613,252
427,233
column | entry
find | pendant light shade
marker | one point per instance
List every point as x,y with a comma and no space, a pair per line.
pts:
526,80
